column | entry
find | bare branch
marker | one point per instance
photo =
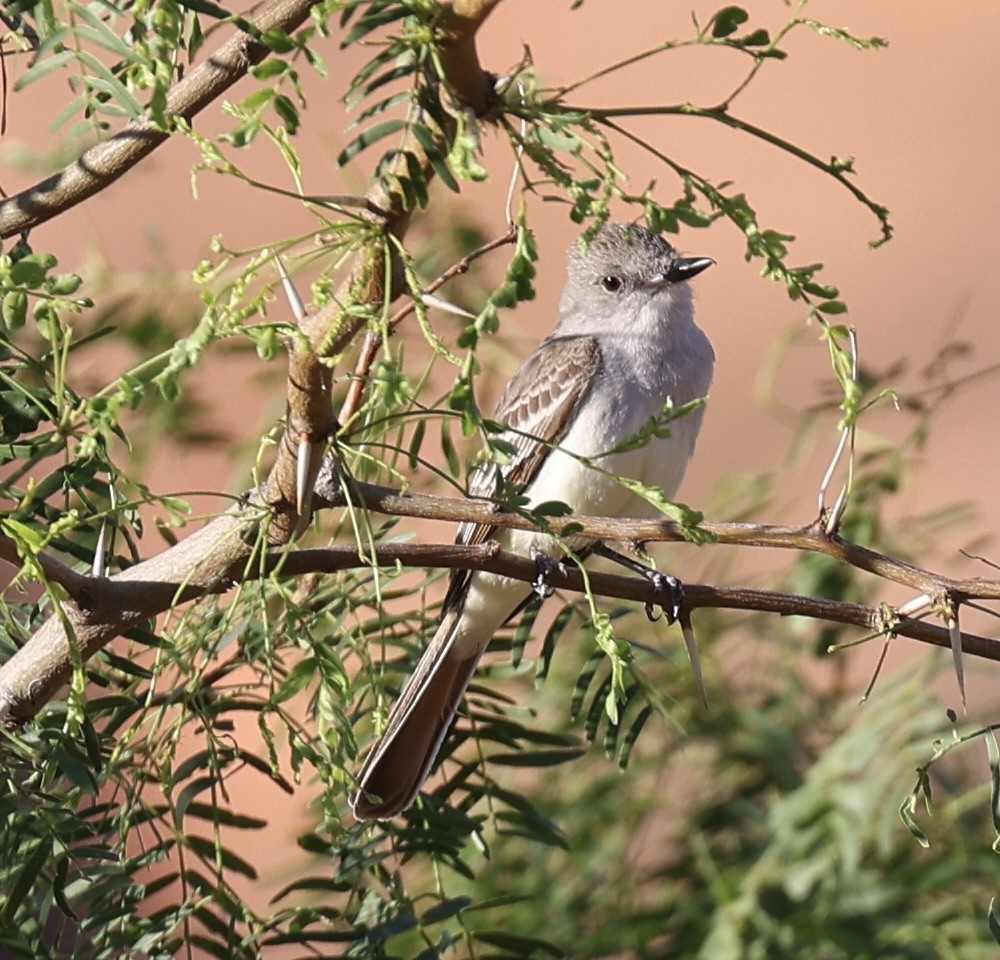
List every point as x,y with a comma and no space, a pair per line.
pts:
812,537
488,556
470,83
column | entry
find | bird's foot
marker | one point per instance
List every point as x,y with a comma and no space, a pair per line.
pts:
662,583
544,565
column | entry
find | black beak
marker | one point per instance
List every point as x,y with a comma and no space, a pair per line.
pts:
684,268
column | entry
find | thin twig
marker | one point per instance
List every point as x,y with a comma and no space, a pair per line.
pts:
373,342
811,537
77,585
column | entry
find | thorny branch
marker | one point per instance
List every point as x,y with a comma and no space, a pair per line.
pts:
131,597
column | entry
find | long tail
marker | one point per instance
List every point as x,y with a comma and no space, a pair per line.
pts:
401,759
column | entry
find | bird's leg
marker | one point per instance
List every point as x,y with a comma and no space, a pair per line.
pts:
545,565
660,582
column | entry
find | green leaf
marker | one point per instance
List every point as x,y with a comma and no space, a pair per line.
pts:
430,144
552,508
448,448
98,33
521,946
373,20
993,754
43,67
14,309
991,919
272,67
30,271
365,139
288,112
445,909
25,880
206,7
64,285
568,143
538,758
628,741
552,636
758,38
833,307
279,40
728,20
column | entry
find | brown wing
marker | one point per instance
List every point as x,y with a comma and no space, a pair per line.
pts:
538,405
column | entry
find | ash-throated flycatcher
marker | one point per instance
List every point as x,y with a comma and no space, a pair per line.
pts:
626,342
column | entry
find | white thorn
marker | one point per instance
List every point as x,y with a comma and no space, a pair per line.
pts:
100,567
516,171
303,465
692,651
916,607
433,300
308,460
955,634
294,300
828,477
837,513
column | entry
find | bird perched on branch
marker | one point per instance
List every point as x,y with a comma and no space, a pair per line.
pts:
626,345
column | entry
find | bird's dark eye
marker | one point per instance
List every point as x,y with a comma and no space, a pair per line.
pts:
611,284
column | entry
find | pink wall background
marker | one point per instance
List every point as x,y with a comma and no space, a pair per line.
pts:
921,117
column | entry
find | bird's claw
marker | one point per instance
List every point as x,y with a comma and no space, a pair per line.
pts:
544,565
664,583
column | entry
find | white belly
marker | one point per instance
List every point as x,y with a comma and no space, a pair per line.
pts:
606,420
592,492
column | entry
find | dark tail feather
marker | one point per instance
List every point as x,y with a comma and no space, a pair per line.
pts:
402,758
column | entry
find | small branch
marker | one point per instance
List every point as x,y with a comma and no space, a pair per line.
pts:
489,557
55,571
105,162
723,116
373,342
812,538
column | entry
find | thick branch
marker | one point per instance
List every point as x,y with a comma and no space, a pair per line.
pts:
105,162
470,83
106,608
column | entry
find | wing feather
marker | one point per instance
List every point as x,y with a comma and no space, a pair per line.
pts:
538,406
